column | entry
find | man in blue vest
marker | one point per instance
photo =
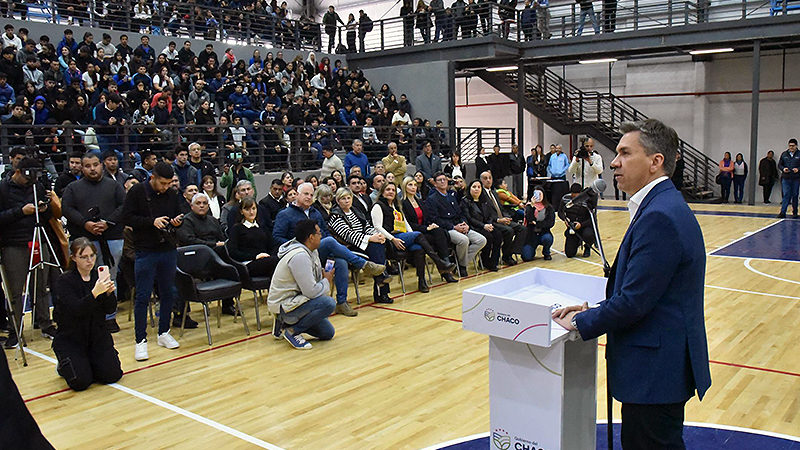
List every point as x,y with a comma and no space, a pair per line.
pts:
657,352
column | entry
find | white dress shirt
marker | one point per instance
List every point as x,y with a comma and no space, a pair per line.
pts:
638,197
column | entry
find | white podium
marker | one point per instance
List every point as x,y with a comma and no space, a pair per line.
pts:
542,378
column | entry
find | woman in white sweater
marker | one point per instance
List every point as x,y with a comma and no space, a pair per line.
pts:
388,219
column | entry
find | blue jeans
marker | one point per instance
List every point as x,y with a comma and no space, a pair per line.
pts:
738,188
312,318
115,247
329,248
582,21
152,267
376,252
409,239
790,189
535,240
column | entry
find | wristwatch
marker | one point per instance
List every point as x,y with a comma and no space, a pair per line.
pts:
575,324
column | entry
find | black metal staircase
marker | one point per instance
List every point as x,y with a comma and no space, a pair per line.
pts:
570,110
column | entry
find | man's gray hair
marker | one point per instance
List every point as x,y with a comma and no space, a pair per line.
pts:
200,195
656,137
243,183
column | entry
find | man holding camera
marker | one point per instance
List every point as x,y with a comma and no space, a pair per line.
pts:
152,209
575,210
586,165
18,219
93,208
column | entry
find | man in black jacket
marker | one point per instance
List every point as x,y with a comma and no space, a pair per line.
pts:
152,209
506,225
17,220
442,208
93,208
516,166
498,165
274,201
71,174
767,174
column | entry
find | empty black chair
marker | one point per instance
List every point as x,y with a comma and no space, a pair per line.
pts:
254,284
204,277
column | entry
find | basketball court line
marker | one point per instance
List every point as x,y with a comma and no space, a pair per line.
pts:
176,409
746,235
750,268
702,212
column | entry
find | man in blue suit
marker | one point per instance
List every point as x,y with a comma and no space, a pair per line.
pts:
657,353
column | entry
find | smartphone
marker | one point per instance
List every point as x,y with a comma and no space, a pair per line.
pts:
328,265
103,274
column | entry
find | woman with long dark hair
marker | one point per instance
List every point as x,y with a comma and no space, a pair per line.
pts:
739,175
250,244
726,176
478,215
83,345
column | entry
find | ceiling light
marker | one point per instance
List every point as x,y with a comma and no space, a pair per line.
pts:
711,50
502,69
597,61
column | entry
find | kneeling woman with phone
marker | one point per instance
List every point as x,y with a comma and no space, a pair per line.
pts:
83,296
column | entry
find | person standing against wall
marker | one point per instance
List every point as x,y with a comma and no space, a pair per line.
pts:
789,165
767,174
739,175
725,176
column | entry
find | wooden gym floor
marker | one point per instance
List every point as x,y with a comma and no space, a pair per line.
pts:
406,375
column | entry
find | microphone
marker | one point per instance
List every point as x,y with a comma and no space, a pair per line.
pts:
599,186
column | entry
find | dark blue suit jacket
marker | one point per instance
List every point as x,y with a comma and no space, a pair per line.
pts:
653,313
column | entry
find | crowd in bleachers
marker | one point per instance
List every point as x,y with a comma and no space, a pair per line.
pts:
259,105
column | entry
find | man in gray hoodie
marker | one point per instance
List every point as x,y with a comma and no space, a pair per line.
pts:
298,297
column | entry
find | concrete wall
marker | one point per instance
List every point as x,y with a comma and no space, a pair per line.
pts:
711,117
426,85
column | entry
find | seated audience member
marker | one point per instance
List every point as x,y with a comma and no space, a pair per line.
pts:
483,219
361,200
217,200
329,248
298,293
356,158
388,218
274,201
511,203
437,236
236,172
199,227
539,218
510,229
351,226
377,183
250,244
428,163
394,162
576,215
459,187
323,201
423,187
231,215
442,208
83,345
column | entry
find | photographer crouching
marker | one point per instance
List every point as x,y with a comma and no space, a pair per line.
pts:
18,219
83,345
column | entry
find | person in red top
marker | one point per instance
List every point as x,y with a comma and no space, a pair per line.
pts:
436,235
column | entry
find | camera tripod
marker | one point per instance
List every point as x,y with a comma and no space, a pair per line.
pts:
39,238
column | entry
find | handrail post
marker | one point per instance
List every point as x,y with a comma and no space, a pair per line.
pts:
686,13
635,15
383,41
480,140
669,13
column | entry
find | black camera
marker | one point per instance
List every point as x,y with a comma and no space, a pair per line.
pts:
582,153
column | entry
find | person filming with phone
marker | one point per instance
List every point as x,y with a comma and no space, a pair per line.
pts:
83,344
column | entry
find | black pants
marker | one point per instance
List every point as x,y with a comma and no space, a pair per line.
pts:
652,426
82,365
509,231
767,192
573,241
440,241
490,255
263,267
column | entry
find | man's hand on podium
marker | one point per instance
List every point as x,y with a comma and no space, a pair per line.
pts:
564,315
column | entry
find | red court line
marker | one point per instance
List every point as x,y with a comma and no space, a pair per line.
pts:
46,395
415,313
763,369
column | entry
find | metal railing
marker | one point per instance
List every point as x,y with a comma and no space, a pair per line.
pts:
267,148
564,17
604,113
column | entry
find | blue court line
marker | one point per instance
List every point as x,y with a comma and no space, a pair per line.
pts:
703,213
779,241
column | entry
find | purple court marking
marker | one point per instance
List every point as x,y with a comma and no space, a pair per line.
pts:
695,437
780,241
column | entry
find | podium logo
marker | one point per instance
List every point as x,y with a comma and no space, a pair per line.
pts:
489,315
501,439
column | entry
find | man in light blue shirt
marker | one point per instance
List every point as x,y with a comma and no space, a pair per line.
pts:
558,165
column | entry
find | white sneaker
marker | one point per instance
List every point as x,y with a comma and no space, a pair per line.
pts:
166,340
140,354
